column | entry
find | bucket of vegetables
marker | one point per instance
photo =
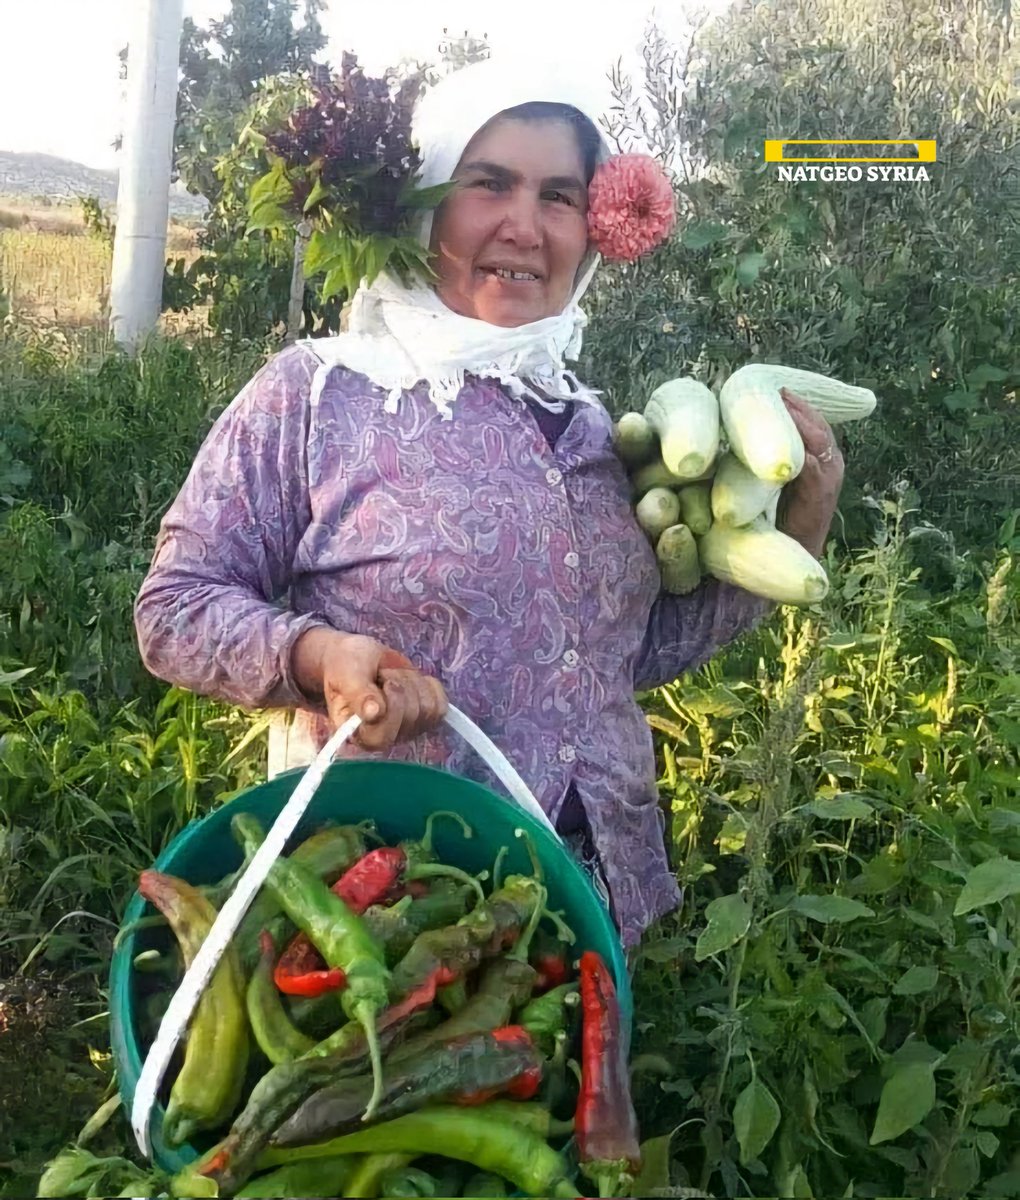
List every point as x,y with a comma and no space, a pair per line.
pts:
403,1008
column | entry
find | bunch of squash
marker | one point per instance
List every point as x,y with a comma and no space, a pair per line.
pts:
707,474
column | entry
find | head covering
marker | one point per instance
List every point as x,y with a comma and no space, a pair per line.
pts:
397,335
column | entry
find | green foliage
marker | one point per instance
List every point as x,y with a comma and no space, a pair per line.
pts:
89,461
97,222
255,57
908,289
244,277
340,178
222,68
834,1010
99,762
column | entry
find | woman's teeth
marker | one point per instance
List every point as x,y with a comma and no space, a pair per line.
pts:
505,274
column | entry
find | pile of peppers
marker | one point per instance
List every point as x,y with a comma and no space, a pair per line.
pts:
382,1024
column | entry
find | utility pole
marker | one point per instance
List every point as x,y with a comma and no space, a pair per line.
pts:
143,194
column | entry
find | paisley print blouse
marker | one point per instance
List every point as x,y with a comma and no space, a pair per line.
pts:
513,572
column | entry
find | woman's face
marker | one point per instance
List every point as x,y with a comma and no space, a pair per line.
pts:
520,205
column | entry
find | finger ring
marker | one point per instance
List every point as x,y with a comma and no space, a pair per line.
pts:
827,454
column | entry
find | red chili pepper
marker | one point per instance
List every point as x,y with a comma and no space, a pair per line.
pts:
371,879
552,972
301,970
605,1124
525,1086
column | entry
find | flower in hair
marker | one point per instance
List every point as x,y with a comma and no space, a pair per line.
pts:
631,208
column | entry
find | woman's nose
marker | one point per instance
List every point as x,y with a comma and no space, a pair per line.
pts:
522,220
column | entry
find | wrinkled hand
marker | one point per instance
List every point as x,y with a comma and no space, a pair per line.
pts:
809,502
355,674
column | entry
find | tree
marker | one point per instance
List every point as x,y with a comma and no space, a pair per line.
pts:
221,69
907,288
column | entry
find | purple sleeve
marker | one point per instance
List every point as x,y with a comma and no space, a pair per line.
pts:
211,614
685,631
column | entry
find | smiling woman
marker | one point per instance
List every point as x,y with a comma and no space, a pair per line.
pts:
429,505
511,237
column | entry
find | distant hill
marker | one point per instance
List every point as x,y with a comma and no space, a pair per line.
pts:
60,179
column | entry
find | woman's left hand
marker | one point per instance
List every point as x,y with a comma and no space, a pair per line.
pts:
808,503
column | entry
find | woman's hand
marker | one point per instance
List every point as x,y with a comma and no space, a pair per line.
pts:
809,502
354,674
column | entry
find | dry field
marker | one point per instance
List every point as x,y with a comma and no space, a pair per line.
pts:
52,269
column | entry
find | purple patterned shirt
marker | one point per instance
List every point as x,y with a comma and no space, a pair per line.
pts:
513,571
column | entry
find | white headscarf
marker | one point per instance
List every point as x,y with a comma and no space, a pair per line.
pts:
400,335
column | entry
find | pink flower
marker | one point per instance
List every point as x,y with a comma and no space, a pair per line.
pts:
631,209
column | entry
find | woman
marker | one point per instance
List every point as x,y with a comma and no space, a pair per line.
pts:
429,505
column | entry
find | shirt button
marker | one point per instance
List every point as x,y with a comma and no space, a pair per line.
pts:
571,658
567,754
570,559
554,476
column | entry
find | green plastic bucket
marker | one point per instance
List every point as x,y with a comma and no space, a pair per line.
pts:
398,797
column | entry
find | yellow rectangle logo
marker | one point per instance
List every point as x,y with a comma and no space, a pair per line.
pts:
774,149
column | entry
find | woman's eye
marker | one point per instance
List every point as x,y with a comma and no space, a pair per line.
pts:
487,183
560,197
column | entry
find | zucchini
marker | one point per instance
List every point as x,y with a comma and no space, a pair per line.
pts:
836,401
764,561
657,510
685,415
657,474
696,507
738,495
634,439
677,554
759,428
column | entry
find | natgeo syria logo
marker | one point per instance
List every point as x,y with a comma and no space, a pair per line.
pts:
801,166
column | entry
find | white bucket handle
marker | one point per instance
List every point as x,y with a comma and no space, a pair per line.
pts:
196,977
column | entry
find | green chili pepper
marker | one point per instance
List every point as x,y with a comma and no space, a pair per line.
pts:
534,1117
327,853
279,1092
504,984
437,957
316,1177
559,1086
484,1184
339,935
277,1036
368,1175
462,1070
445,904
453,997
208,1085
421,851
408,1181
442,956
546,1016
474,1136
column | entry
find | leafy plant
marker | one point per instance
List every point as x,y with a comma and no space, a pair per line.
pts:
847,823
97,222
344,162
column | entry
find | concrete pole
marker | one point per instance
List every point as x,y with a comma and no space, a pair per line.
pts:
143,194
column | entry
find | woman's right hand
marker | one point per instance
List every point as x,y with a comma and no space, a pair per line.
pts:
353,674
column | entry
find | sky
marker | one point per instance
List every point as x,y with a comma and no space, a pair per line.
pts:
60,92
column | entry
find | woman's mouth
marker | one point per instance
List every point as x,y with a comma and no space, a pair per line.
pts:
509,277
